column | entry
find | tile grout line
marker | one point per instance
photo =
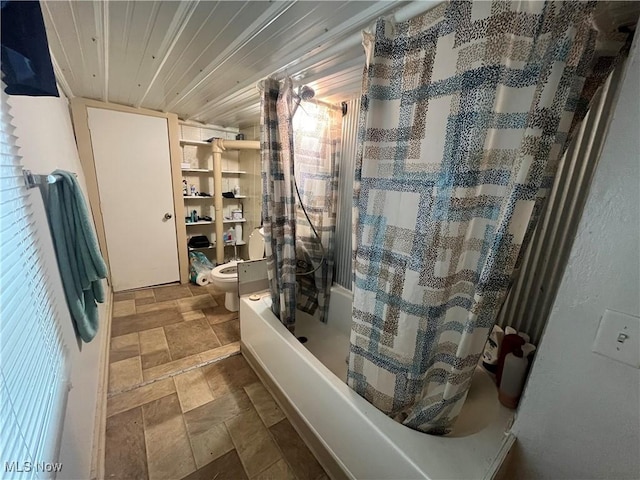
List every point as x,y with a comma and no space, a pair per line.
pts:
282,455
172,374
193,454
166,341
186,429
233,443
223,423
275,441
214,332
144,437
183,370
242,462
252,403
209,386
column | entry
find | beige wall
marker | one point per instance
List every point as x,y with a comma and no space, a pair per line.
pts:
46,141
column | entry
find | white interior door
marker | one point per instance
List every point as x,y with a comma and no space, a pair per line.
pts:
131,154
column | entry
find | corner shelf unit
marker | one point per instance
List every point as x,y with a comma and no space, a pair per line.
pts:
215,172
196,170
204,222
211,245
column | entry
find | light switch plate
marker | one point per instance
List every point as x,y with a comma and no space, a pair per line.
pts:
618,338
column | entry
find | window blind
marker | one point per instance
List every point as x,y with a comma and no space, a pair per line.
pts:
33,357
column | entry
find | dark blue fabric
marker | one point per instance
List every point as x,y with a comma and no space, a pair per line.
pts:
26,64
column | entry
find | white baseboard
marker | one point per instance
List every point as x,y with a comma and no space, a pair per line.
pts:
100,422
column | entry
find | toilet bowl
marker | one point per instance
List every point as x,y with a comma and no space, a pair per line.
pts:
225,277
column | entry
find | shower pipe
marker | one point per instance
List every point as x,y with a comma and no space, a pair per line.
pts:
306,93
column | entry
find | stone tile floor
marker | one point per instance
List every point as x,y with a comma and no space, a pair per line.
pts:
183,403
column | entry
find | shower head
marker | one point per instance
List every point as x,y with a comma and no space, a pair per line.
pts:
306,93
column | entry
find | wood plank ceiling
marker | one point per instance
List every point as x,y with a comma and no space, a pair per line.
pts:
202,59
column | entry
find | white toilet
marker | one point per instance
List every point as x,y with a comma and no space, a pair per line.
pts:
225,276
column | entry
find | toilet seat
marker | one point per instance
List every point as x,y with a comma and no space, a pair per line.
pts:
227,272
225,276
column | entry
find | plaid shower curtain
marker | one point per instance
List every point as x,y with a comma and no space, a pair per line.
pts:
466,110
278,198
317,131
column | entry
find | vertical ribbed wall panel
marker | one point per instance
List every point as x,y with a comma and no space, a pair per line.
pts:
534,288
343,273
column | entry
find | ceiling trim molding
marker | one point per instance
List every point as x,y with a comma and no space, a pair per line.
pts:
60,78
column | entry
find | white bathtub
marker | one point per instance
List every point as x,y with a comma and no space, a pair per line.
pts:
358,440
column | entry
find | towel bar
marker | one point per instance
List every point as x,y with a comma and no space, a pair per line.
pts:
33,180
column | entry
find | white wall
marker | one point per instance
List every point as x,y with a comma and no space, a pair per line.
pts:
46,141
580,415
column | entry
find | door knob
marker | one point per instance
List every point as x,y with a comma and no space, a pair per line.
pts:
167,216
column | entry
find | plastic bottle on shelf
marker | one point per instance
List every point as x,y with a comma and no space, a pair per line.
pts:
510,342
513,374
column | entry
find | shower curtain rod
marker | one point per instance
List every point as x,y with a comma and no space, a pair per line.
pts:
260,88
326,104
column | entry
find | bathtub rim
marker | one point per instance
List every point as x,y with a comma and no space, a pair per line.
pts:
314,440
325,453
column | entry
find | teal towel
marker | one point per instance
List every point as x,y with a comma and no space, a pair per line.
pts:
79,260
